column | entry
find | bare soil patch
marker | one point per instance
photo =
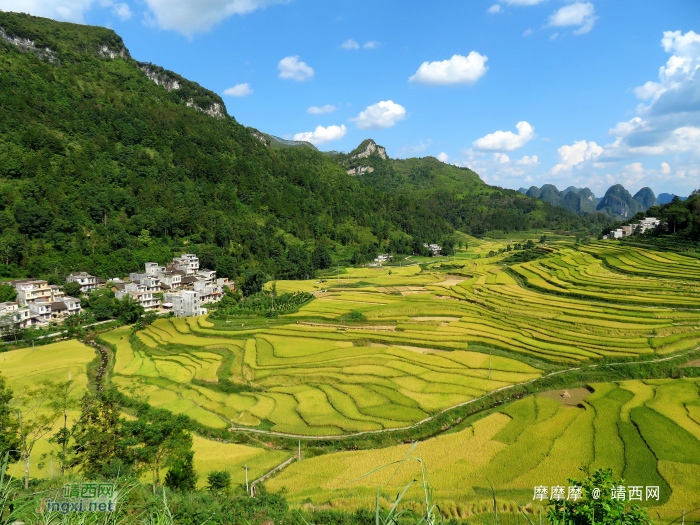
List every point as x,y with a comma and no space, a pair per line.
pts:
569,397
692,363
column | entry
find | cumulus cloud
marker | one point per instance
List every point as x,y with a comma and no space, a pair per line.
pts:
194,16
416,148
575,154
443,157
381,115
66,10
624,129
372,44
292,68
350,44
678,88
457,70
120,9
240,90
665,168
322,135
577,14
528,161
506,140
495,8
522,2
528,31
314,110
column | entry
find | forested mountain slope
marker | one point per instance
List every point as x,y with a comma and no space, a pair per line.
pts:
106,163
458,194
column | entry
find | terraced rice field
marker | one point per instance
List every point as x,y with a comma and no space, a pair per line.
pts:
649,431
303,379
424,346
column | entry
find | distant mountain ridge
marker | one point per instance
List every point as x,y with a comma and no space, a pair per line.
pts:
617,202
665,198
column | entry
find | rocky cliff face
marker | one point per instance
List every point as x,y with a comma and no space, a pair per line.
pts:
370,148
359,170
27,45
159,77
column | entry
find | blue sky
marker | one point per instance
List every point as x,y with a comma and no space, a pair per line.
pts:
588,93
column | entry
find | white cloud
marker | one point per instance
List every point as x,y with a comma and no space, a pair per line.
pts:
457,70
416,148
501,158
314,110
506,140
678,89
577,14
495,8
372,44
665,168
240,90
350,44
65,10
292,68
528,161
381,115
553,36
443,157
624,129
122,10
522,2
528,31
322,135
575,154
196,16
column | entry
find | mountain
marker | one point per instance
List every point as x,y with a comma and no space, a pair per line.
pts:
618,203
575,200
106,163
455,193
665,198
646,198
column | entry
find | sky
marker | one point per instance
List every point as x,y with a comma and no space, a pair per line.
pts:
524,92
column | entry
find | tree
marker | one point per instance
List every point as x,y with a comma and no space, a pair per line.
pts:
8,293
62,403
35,419
226,266
128,311
9,436
72,289
144,239
606,509
253,282
160,439
182,475
321,257
100,443
219,480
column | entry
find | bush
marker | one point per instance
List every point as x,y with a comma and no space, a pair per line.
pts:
219,480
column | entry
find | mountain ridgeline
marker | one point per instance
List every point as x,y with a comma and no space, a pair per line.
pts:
457,194
106,163
618,203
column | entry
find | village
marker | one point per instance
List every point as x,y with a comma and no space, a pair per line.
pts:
180,287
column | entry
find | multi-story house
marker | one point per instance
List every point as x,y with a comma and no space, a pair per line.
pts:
86,281
140,294
172,279
29,290
185,303
187,262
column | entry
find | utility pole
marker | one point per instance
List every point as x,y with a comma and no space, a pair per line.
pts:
246,478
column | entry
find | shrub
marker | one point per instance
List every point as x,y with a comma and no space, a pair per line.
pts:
219,480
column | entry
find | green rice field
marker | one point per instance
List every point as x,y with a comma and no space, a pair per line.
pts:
648,431
430,339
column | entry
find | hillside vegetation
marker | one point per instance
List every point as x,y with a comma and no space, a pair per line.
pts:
459,195
102,169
